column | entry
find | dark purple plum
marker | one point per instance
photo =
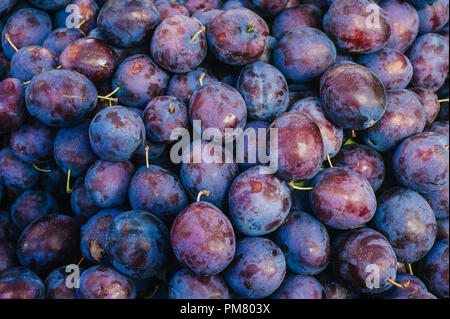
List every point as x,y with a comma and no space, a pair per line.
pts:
292,54
300,287
158,191
404,23
434,16
439,202
238,36
60,98
415,286
404,117
187,285
49,242
72,149
300,146
32,60
357,254
407,221
305,244
116,133
6,6
61,38
195,5
258,268
33,143
5,64
259,201
421,3
334,289
102,282
364,161
32,205
264,89
12,105
421,162
415,295
203,239
440,127
93,235
83,207
169,9
20,283
342,198
26,26
128,23
332,135
8,230
155,153
435,269
88,11
250,153
430,60
8,257
268,52
296,17
106,183
229,111
392,67
267,8
137,244
352,26
56,284
162,115
442,229
14,173
206,15
430,103
49,4
179,44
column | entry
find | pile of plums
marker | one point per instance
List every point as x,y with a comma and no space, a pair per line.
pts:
94,206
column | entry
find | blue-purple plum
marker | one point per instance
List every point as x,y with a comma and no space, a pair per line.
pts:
61,38
49,4
303,15
169,9
14,173
12,105
80,202
87,14
433,16
8,257
334,289
430,103
206,15
300,287
267,8
20,283
187,285
435,269
442,229
195,5
439,202
56,284
32,60
8,230
6,6
250,151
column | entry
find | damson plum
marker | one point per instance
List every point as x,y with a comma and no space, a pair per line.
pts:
20,283
72,149
296,17
106,183
139,79
25,27
300,146
404,117
440,127
264,89
8,257
187,285
82,206
93,234
128,23
258,268
33,143
357,254
116,133
206,15
407,221
14,173
442,229
32,205
229,112
433,16
250,153
392,67
305,244
358,108
430,103
7,5
60,38
203,239
414,287
404,23
235,4
49,242
179,44
169,9
162,115
342,198
30,61
267,8
300,287
259,202
137,244
332,135
350,23
56,284
435,269
292,54
430,60
158,191
364,161
12,105
439,202
102,282
421,162
60,98
8,230
238,36
183,86
195,5
88,11
49,4
334,289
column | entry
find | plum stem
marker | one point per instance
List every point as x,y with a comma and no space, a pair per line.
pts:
81,23
112,99
405,285
201,78
147,148
353,134
202,29
329,160
410,269
157,286
81,260
251,24
41,169
292,185
443,100
68,190
203,192
26,83
59,67
171,108
113,92
10,42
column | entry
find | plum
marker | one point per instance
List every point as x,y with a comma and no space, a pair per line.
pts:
82,205
434,16
187,285
14,173
439,202
12,105
60,38
183,86
8,257
206,15
435,269
430,103
87,14
300,287
21,283
296,17
56,285
30,61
